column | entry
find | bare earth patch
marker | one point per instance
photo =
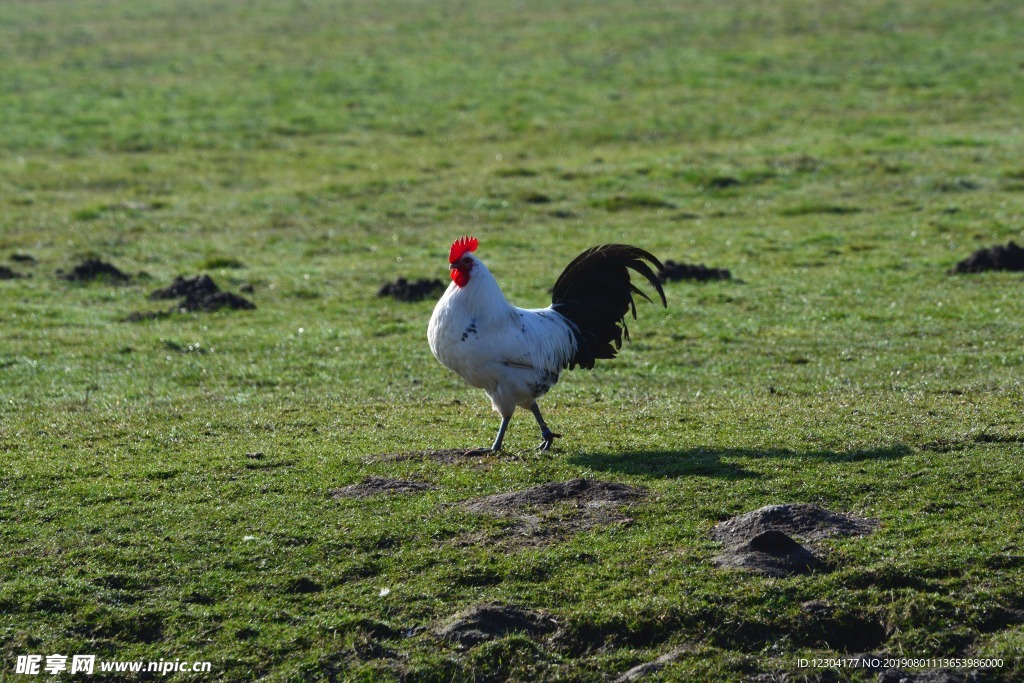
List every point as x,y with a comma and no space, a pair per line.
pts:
673,272
415,290
840,628
198,294
94,269
998,257
447,456
491,621
589,492
549,512
375,486
762,541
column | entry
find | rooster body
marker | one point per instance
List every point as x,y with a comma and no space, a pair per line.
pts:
517,354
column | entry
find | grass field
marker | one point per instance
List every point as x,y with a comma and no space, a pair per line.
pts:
165,491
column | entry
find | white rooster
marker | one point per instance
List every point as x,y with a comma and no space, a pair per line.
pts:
516,354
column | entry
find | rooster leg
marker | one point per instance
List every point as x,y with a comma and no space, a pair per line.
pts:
545,432
505,419
496,446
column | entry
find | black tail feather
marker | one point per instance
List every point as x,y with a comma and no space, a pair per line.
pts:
594,292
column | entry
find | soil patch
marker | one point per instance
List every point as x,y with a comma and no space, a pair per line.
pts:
198,286
491,621
417,290
215,302
999,257
302,585
24,258
579,492
375,486
8,274
549,512
93,269
773,553
839,629
198,294
673,272
446,456
762,541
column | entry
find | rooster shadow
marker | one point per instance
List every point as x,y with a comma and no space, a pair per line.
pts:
718,463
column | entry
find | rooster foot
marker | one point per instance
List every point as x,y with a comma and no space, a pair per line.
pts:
549,439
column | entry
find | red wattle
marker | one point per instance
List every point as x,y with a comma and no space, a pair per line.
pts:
459,276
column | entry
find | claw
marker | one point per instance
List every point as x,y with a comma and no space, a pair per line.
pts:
549,439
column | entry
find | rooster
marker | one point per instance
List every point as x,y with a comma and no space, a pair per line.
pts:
517,354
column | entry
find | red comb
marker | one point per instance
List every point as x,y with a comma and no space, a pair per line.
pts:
460,247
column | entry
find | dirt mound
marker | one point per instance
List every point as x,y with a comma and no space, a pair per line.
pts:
773,553
8,274
547,513
198,294
404,290
761,540
809,522
94,269
215,302
375,486
491,621
998,257
673,272
198,286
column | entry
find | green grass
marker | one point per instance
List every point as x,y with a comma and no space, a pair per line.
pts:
838,159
